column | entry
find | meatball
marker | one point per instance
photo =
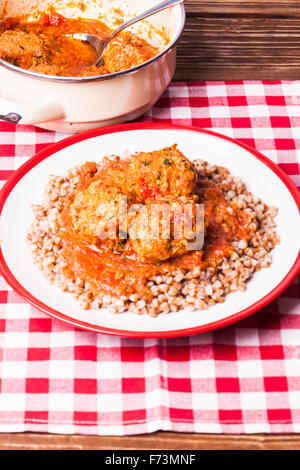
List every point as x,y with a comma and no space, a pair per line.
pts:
162,172
99,215
165,228
126,51
20,48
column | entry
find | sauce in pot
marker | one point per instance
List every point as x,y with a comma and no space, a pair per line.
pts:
43,46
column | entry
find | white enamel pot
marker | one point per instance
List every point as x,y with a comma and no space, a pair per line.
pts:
76,104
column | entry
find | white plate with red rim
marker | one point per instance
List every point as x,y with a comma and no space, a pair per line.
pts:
262,177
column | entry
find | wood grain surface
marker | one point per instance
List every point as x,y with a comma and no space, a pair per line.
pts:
155,441
240,40
222,40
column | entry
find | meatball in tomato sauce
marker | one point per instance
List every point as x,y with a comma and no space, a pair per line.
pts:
162,172
165,228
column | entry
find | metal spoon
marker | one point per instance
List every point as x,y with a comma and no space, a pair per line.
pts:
100,44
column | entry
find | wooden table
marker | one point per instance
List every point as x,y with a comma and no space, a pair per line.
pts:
223,40
240,40
155,441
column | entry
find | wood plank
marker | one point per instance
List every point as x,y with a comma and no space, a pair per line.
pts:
210,73
156,441
237,48
267,7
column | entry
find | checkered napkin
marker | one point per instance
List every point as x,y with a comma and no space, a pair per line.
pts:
242,379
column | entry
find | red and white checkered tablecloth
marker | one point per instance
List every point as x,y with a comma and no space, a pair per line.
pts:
241,379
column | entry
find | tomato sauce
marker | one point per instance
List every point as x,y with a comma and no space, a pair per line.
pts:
123,273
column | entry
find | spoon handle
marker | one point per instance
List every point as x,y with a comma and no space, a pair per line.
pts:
157,8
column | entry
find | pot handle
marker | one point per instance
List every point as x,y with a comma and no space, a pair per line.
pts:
30,114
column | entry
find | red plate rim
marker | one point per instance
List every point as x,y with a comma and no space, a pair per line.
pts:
53,148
